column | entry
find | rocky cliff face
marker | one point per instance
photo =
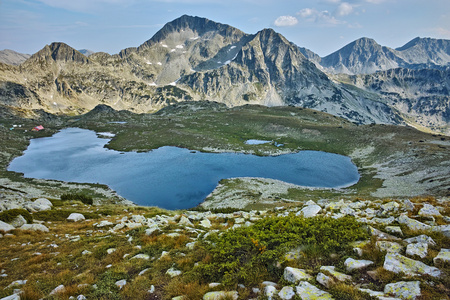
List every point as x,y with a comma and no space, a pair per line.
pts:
193,58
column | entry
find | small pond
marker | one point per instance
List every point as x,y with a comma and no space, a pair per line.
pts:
170,177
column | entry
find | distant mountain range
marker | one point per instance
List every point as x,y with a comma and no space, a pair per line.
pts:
194,58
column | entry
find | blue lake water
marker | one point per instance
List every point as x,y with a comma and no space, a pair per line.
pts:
170,177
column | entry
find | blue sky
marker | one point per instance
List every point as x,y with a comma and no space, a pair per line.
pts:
323,26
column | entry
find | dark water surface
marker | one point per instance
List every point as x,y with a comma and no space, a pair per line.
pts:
171,177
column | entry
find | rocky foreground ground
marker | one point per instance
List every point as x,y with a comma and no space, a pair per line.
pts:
69,250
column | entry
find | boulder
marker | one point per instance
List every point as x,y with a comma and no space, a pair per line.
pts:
388,246
394,229
138,219
419,249
353,264
286,293
412,224
270,291
397,263
205,223
221,295
104,223
338,275
429,211
34,227
12,297
403,289
295,275
307,291
442,257
75,217
309,211
381,235
18,221
421,239
5,227
185,222
43,201
325,280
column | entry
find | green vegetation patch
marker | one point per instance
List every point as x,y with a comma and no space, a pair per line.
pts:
76,196
249,255
9,215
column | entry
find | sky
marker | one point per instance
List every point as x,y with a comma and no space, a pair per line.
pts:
323,26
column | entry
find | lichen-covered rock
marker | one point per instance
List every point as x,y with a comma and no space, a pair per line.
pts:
326,281
388,246
419,249
270,291
338,275
394,230
442,257
412,224
221,295
286,293
295,275
307,291
404,289
104,223
381,235
353,264
421,239
18,221
138,219
141,256
429,210
34,227
397,263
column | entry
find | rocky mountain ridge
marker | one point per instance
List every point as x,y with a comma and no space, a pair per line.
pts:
193,58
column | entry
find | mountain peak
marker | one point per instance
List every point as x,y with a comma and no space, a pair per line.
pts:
197,25
60,52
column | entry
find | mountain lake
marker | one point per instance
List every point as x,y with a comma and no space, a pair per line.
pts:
171,177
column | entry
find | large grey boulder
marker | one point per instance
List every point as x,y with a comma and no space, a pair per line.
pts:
404,289
34,227
397,263
412,224
295,275
286,293
429,210
40,204
353,264
307,291
442,257
75,217
309,211
421,239
18,221
419,249
5,226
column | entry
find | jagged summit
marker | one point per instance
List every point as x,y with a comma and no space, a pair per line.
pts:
59,52
426,51
363,55
195,27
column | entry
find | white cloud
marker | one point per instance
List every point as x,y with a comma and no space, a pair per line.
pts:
375,1
344,9
285,21
321,18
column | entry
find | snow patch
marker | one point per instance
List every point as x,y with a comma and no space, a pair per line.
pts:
231,48
106,134
173,50
148,63
194,38
152,84
179,46
159,64
164,45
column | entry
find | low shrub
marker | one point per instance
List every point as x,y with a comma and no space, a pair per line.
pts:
249,254
53,215
78,196
9,215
